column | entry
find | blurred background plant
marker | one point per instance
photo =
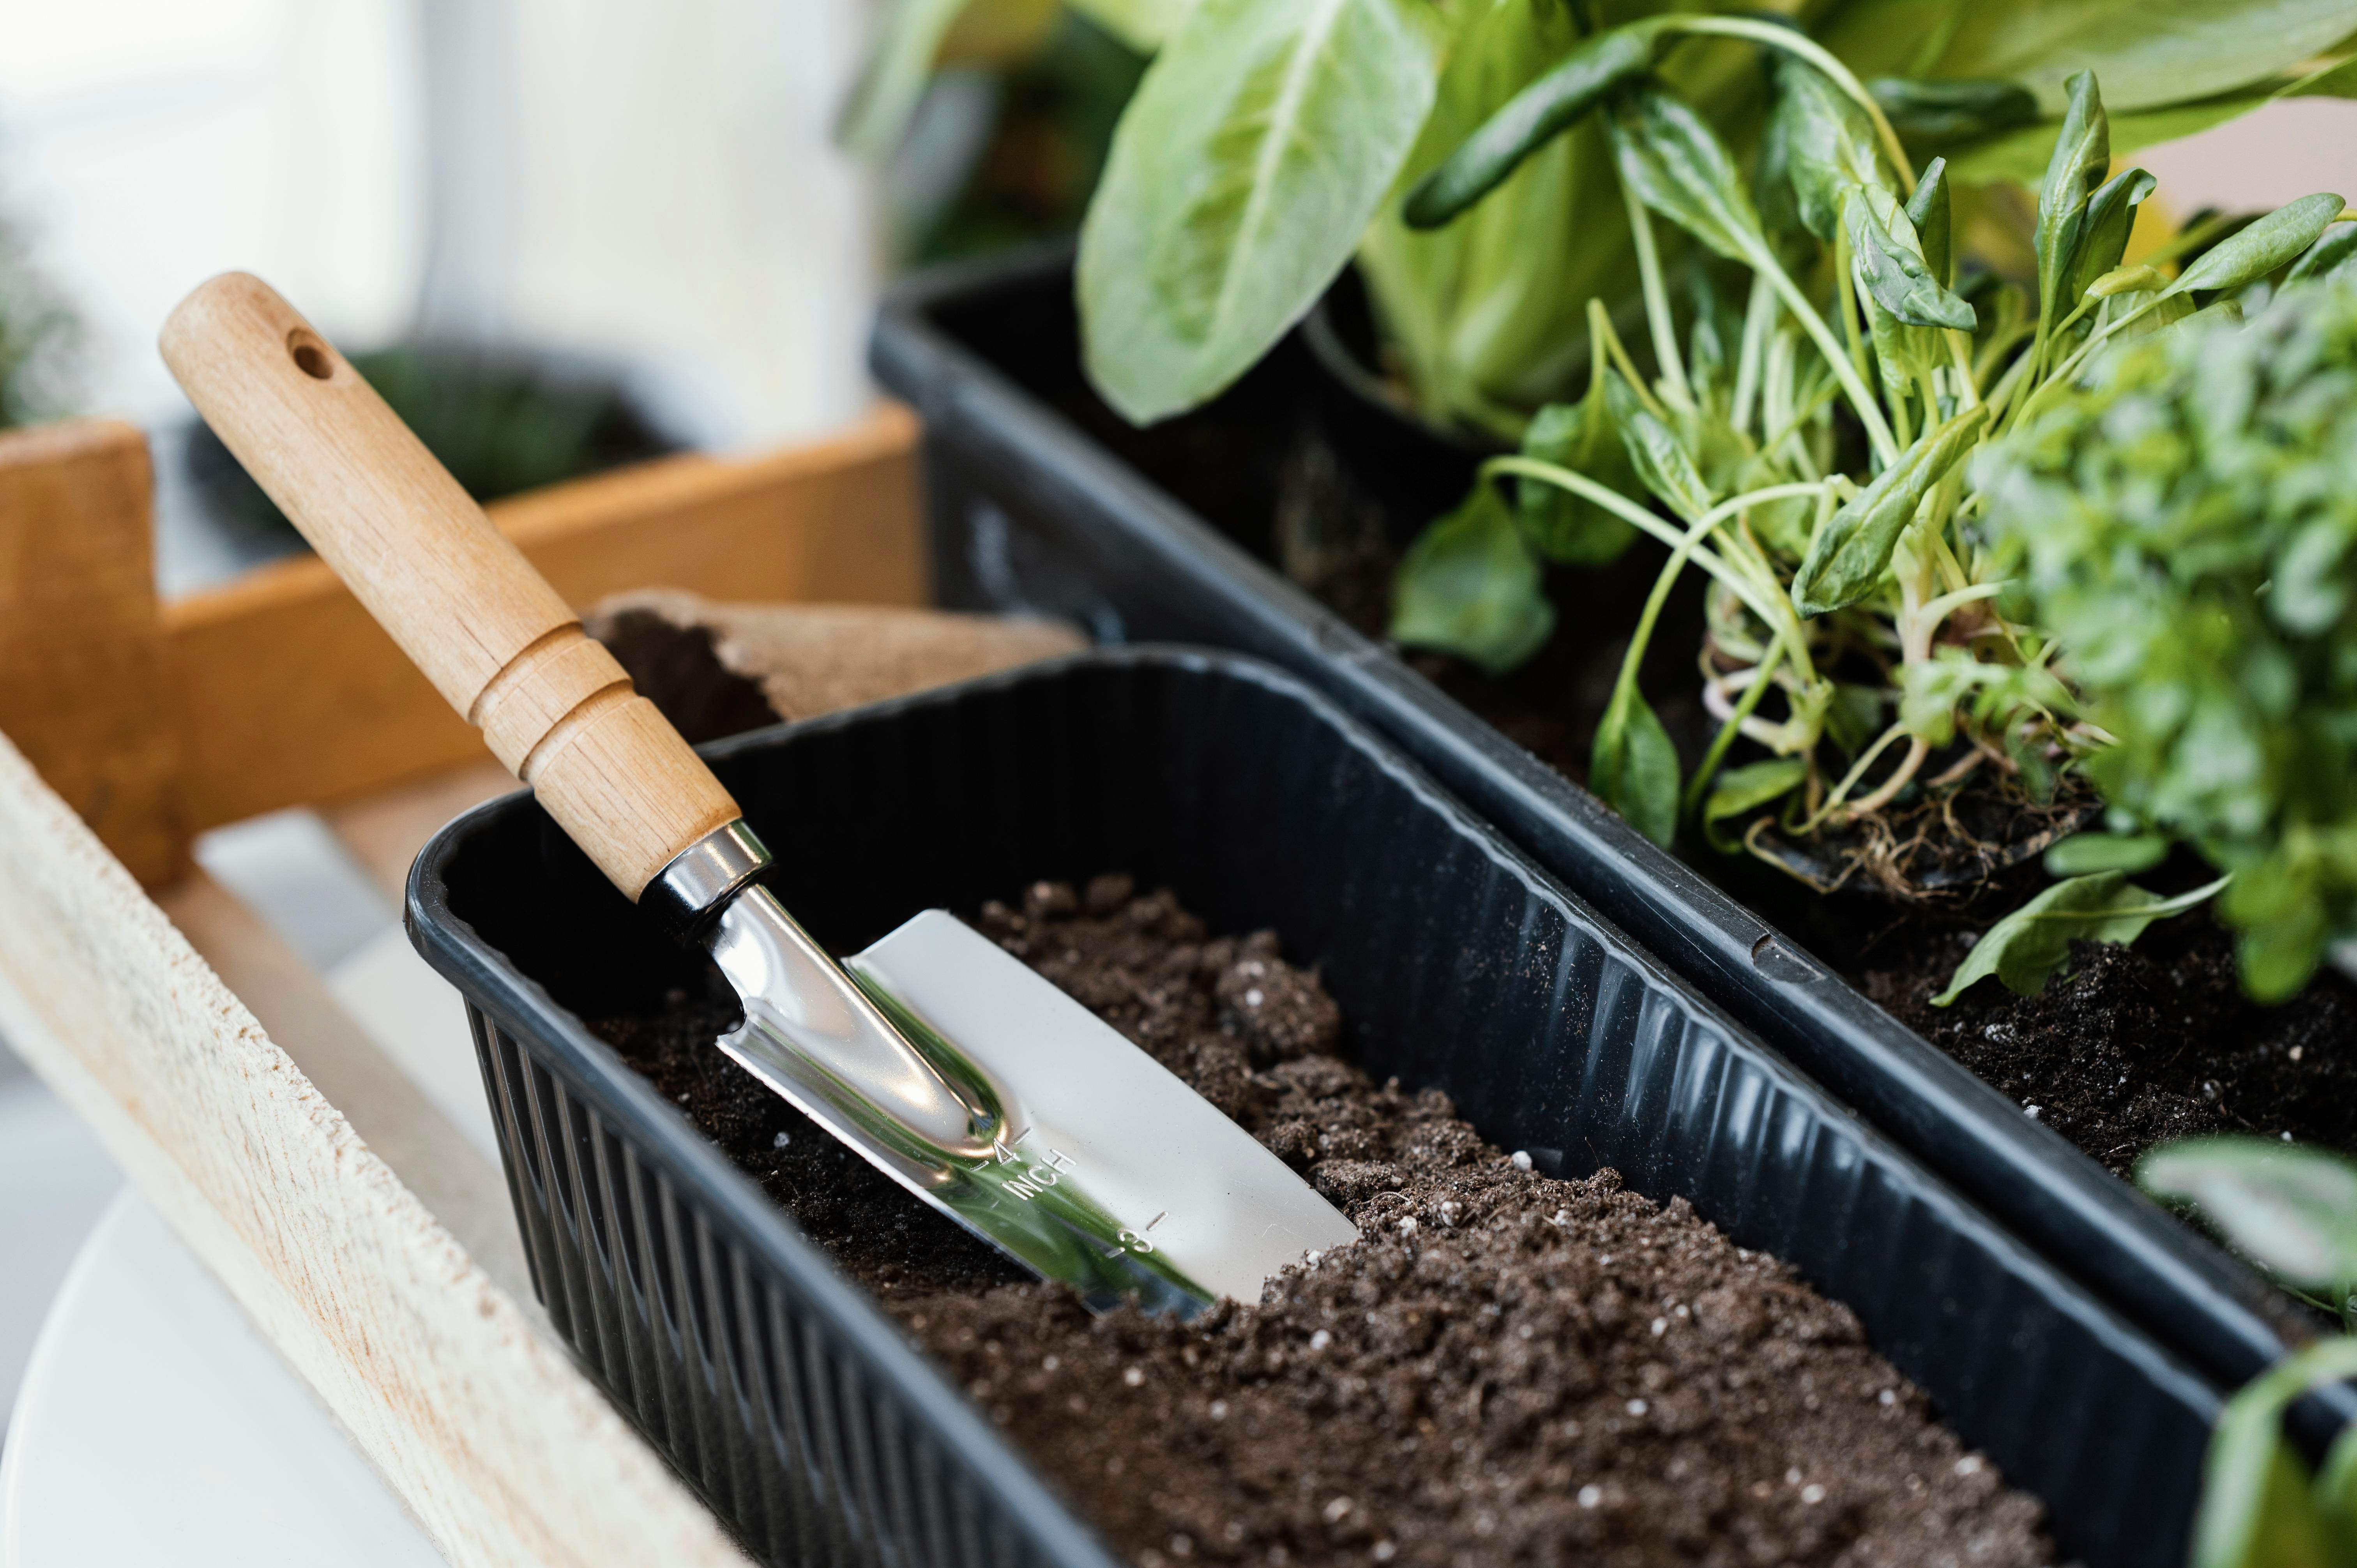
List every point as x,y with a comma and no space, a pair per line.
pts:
38,334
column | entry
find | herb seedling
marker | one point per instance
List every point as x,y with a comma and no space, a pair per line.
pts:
1809,448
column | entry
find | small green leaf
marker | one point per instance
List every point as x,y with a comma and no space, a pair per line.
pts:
1634,767
1948,112
1583,439
2126,280
1742,789
2027,947
2083,853
1675,163
2258,1508
1469,586
1888,261
1852,550
1818,143
2291,1208
1257,147
2254,251
1929,209
2103,233
1656,455
1532,118
2328,258
2083,152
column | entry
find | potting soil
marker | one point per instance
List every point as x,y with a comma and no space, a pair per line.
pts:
1505,1368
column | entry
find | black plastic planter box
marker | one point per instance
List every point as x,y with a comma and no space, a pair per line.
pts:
1040,510
820,1434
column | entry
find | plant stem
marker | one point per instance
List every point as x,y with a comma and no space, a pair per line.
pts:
1807,49
1759,322
1600,326
1869,412
1733,726
1657,300
1849,779
1640,517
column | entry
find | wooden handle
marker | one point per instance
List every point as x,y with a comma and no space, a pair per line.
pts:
487,629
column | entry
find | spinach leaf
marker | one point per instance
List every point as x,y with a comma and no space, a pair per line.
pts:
1887,259
1533,117
1656,455
1675,163
2328,258
1583,439
1469,585
1739,791
1947,112
2148,54
2083,151
1259,145
2292,1209
2104,233
2083,852
1816,146
1929,209
1634,768
1852,550
2027,947
2259,1509
2254,252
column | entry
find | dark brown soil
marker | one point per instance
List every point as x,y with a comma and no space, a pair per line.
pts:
2139,1045
1504,1368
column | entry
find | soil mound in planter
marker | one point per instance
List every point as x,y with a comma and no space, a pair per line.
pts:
1504,1368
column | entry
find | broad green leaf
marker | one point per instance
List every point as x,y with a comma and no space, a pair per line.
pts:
1487,315
2083,151
1534,116
1469,586
2082,853
1583,439
1740,790
893,77
2104,233
2336,80
2148,52
1656,455
2293,1209
1817,145
2254,251
1947,112
1852,550
1675,163
2027,947
1144,25
2328,258
1929,209
1634,767
1887,259
1259,143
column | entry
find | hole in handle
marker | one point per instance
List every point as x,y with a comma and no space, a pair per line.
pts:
311,355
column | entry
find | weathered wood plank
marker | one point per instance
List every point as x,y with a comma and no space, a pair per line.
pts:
501,1447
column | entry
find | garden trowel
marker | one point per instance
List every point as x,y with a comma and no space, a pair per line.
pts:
940,1058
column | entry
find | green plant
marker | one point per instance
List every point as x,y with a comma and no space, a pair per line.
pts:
38,336
2293,1210
1809,449
2181,522
1268,144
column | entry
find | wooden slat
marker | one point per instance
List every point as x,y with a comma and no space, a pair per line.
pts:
81,686
501,1447
291,694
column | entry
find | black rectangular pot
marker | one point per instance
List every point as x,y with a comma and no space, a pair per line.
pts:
816,1429
1039,500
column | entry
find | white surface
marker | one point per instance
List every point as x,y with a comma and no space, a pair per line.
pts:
54,1181
157,1425
290,869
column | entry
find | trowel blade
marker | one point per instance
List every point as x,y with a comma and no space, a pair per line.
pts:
985,1091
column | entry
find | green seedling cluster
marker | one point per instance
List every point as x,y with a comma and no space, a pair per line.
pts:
1805,435
2181,521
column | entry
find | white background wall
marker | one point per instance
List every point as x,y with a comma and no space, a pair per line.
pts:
646,178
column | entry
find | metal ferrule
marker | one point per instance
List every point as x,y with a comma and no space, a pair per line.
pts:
701,879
